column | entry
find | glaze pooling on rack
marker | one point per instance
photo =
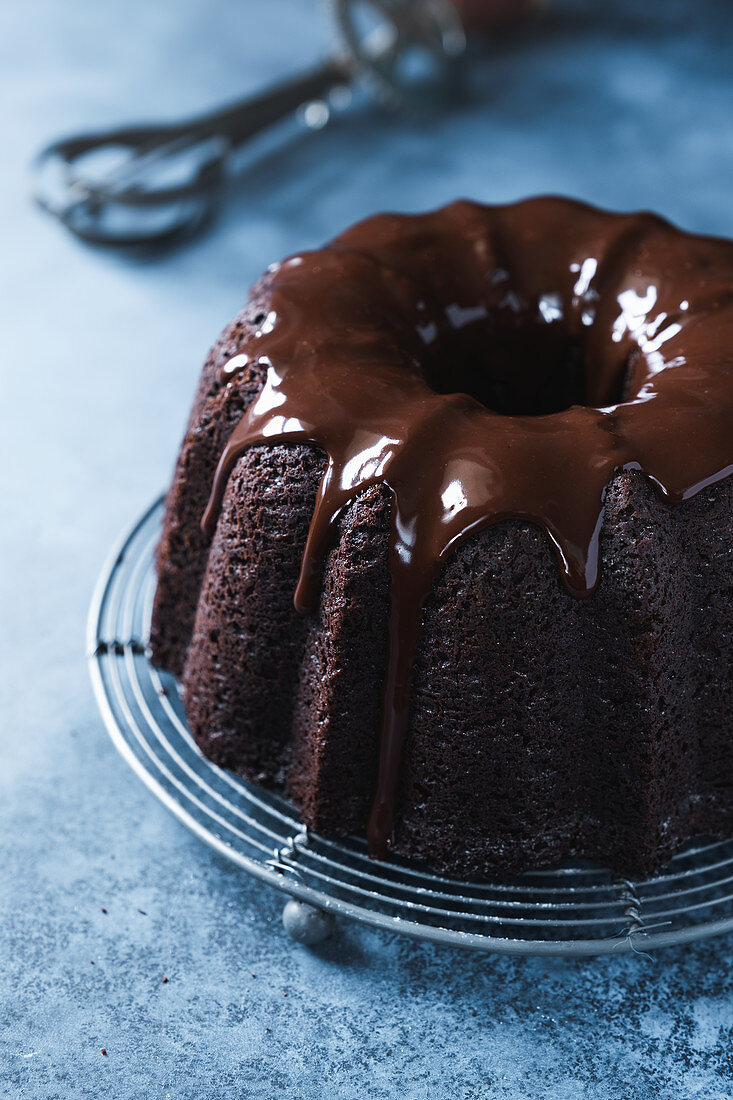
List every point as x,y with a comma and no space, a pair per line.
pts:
490,363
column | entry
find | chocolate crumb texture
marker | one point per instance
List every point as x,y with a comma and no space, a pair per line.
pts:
481,783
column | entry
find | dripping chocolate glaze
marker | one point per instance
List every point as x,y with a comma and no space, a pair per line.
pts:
487,363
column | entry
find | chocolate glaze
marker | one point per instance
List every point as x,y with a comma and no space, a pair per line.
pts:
488,363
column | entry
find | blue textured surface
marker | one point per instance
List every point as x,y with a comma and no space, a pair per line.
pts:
102,894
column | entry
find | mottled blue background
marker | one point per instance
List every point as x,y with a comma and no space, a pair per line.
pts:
626,104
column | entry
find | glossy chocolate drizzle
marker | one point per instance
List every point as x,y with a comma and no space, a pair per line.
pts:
487,363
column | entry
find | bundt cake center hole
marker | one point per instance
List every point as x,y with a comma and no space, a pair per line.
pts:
518,369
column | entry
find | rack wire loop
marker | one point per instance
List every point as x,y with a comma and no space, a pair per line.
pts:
569,910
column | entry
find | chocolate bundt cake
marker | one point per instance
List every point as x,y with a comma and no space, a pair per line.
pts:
447,554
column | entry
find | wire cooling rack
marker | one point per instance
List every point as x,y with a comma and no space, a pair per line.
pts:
572,910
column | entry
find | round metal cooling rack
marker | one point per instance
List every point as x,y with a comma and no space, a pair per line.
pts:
573,910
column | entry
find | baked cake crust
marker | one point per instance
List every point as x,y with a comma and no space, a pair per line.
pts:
544,720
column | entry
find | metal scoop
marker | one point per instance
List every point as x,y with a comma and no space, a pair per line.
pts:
149,186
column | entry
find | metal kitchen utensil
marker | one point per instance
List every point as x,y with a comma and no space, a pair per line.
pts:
151,185
571,910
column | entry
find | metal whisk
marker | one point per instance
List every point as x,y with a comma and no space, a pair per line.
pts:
151,185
